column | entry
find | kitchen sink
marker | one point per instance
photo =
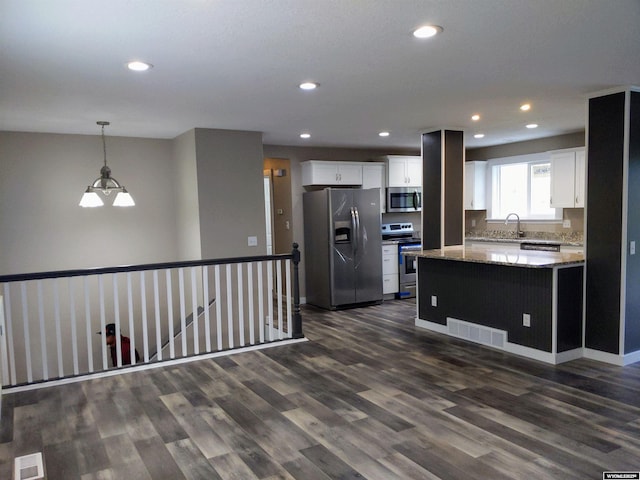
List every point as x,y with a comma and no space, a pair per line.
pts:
545,247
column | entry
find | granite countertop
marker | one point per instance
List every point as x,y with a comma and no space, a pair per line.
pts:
499,255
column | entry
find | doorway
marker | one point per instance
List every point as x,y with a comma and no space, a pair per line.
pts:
278,205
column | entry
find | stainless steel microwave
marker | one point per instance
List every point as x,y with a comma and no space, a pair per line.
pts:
404,199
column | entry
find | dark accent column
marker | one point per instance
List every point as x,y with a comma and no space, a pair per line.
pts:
613,221
442,188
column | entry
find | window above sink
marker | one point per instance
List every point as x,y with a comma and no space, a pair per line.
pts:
521,184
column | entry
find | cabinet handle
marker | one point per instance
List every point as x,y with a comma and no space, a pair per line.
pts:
577,200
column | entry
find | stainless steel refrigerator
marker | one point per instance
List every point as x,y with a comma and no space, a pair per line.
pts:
343,247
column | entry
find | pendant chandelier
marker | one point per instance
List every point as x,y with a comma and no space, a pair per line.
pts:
106,184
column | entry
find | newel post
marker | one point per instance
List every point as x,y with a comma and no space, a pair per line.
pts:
297,318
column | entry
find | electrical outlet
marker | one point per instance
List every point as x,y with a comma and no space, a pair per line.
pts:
434,301
526,320
566,223
252,241
632,247
473,222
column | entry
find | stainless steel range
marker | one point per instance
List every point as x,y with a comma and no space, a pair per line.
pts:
403,235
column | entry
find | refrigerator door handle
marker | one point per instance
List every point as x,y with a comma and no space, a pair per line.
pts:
358,236
354,235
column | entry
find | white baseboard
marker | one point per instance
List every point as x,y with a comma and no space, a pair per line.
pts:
612,358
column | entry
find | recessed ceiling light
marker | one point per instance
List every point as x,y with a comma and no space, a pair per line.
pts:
525,107
308,86
479,135
137,66
384,134
427,31
475,117
305,135
532,125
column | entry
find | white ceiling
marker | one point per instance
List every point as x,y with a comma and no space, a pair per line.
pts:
236,64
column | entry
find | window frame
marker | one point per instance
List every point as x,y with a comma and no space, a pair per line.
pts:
528,159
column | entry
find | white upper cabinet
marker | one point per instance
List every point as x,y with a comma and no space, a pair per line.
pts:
373,176
474,185
318,172
404,171
567,178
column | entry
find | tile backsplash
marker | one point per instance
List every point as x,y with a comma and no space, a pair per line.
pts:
476,225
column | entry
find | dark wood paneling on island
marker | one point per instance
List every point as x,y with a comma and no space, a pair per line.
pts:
491,295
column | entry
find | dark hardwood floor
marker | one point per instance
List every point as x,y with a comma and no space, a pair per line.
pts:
369,396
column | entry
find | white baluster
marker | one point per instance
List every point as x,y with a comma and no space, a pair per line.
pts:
132,331
270,297
87,316
116,313
43,334
289,298
207,319
145,328
183,314
172,343
279,297
240,305
102,321
156,299
218,308
229,306
9,324
194,307
260,303
252,335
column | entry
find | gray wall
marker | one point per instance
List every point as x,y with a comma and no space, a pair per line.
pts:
230,192
186,196
42,178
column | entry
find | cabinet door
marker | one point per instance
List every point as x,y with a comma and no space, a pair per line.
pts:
349,174
562,179
580,178
414,172
319,173
474,185
373,177
396,172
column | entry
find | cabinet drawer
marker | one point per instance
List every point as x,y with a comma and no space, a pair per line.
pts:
389,249
389,264
390,284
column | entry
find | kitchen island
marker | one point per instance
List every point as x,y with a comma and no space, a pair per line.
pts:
525,302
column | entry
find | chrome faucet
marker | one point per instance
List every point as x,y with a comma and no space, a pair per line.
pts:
519,233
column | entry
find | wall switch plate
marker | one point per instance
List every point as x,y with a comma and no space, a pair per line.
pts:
526,320
252,241
632,247
434,301
566,223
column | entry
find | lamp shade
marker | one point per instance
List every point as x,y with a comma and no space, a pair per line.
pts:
90,199
123,199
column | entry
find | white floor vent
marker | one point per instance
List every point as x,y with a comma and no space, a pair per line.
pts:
477,333
29,467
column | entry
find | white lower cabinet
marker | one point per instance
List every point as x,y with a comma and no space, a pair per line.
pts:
390,270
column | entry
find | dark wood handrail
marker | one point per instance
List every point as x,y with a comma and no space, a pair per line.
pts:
136,268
